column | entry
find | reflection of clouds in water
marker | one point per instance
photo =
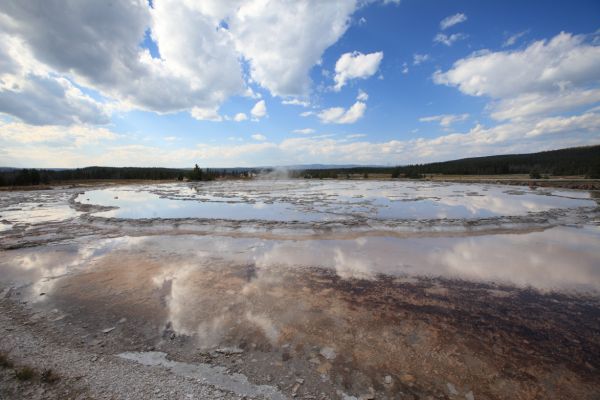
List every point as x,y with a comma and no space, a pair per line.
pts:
208,287
31,214
497,204
351,267
178,300
209,334
190,307
558,258
40,268
327,200
5,226
265,324
115,197
33,207
547,260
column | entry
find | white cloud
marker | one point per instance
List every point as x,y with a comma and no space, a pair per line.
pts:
259,137
449,40
206,114
513,38
103,52
259,110
404,68
338,115
356,136
532,104
547,77
452,20
170,138
295,102
362,95
19,133
445,120
542,66
46,100
30,92
239,117
280,41
27,145
355,65
305,131
419,58
307,113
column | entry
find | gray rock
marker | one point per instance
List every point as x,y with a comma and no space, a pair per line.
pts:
328,353
452,389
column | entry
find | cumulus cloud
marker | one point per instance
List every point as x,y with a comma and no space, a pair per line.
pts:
362,96
206,114
452,20
282,40
339,115
45,100
542,66
259,110
30,92
533,104
547,77
445,120
307,113
239,117
259,137
98,47
511,137
355,65
19,133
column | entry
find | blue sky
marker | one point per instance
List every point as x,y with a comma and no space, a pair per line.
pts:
265,82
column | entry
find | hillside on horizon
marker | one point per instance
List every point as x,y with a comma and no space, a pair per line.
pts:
584,161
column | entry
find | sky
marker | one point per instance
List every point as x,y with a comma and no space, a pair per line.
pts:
173,83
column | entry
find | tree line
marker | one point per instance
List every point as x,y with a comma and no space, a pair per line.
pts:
584,161
32,176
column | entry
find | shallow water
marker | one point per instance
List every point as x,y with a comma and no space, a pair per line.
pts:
557,259
344,306
300,200
377,305
34,207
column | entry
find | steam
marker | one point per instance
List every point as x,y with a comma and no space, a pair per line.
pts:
275,174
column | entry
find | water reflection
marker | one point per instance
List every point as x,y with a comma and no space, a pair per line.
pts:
35,207
561,258
328,200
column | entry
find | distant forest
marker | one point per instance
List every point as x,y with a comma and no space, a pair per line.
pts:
30,176
584,161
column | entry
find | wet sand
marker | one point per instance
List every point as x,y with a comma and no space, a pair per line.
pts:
500,314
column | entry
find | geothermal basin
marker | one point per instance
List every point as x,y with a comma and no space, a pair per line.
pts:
308,289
